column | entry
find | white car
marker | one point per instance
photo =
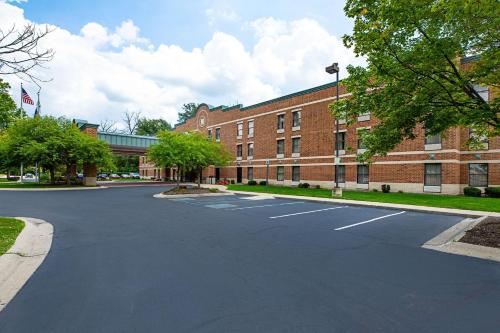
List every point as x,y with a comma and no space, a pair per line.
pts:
29,178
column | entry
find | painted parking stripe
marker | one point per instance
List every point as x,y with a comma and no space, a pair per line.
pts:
369,221
270,205
308,212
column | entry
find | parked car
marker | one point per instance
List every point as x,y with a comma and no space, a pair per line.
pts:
125,175
79,176
115,176
29,178
135,175
102,176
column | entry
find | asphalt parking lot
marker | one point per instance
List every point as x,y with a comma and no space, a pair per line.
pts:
122,261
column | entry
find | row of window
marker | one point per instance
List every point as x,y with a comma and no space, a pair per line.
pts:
478,174
280,148
296,120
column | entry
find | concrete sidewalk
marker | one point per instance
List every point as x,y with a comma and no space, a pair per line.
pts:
464,212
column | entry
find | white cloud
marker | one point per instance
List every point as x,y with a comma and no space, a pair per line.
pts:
100,73
220,15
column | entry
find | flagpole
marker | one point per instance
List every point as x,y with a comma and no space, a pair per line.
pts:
21,111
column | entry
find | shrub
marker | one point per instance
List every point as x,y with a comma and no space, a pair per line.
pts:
400,191
470,191
263,183
232,181
213,190
252,182
317,186
303,185
493,192
375,190
386,188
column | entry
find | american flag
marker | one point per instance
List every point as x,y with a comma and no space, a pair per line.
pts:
26,98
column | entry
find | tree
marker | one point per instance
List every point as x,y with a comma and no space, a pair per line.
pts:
8,111
188,111
131,119
152,127
20,51
107,126
188,152
414,75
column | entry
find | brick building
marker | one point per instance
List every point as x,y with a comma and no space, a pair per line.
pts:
291,138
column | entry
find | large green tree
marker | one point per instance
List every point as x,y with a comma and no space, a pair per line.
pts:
152,127
8,110
188,111
414,73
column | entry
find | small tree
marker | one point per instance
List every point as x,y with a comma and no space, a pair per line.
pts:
188,111
152,127
8,110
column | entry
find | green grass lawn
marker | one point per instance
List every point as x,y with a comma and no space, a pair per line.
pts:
9,230
431,200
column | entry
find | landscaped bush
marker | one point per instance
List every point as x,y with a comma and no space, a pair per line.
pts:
232,181
252,182
263,183
493,192
317,186
375,190
303,185
386,188
470,191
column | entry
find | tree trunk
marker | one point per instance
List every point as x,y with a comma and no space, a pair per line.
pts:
178,176
68,175
52,176
200,171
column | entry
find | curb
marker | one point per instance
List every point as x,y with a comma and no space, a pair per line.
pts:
24,257
448,242
449,211
174,196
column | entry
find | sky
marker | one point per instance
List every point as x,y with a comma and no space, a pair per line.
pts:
152,56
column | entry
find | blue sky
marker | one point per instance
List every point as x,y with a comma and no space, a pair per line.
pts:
152,56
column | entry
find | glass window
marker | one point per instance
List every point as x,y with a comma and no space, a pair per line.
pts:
341,140
250,173
432,174
280,146
239,151
217,134
478,174
250,149
482,91
341,175
363,174
296,119
296,145
360,133
473,135
280,173
209,133
295,173
432,139
239,129
281,121
250,128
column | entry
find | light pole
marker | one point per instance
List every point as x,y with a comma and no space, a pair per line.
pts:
334,69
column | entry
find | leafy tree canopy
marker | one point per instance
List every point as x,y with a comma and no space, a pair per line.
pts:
8,111
415,75
188,111
152,127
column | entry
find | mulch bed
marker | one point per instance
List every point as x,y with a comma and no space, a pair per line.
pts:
486,233
187,190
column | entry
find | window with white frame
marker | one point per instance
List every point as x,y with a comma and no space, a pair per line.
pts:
475,136
363,174
250,128
210,133
478,174
432,174
217,134
296,117
239,129
250,173
280,173
295,173
280,147
432,139
340,140
295,145
341,173
239,151
281,121
482,91
250,149
361,144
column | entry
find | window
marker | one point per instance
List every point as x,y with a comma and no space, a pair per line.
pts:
250,173
361,132
432,174
341,173
281,121
210,133
482,139
239,151
295,145
482,91
295,173
341,140
363,174
432,139
280,173
239,129
250,149
478,174
217,134
296,119
250,128
280,147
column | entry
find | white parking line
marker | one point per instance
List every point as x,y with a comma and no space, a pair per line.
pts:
308,212
375,219
270,205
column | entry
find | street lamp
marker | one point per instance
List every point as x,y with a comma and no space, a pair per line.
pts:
334,69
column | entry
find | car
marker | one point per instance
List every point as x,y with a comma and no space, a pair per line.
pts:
135,175
79,176
102,176
29,178
125,175
114,176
